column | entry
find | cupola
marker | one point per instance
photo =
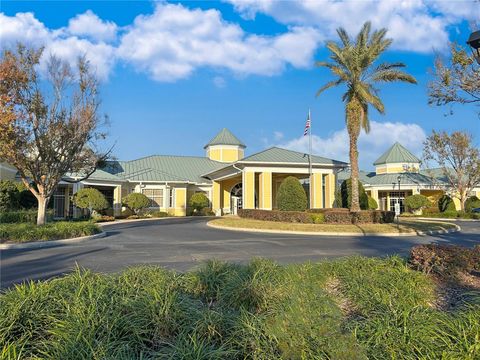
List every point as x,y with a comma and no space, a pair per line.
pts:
225,147
397,159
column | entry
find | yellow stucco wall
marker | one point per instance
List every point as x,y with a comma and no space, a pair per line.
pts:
249,190
316,191
225,154
214,154
227,186
117,200
180,202
216,196
265,190
330,191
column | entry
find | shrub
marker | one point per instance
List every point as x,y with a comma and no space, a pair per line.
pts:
344,216
471,203
445,203
103,218
317,218
9,196
91,199
22,216
416,202
275,215
291,196
157,214
136,202
372,203
51,231
444,260
198,201
346,191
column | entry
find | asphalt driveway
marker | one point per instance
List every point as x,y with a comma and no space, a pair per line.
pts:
183,243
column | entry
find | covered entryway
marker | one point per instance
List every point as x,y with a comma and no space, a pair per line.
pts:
236,199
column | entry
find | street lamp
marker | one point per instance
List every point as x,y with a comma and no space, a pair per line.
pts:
474,42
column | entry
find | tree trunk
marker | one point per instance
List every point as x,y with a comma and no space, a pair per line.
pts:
463,199
353,113
42,210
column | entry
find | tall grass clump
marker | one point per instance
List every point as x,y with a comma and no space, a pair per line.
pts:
23,232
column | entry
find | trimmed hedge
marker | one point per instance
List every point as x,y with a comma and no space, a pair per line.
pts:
372,203
416,202
291,195
328,216
346,194
198,201
22,216
472,203
51,231
445,204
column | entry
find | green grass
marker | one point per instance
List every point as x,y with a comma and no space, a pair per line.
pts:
24,232
406,226
380,309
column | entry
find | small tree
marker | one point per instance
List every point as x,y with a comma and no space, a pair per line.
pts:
372,203
459,161
9,195
416,202
456,80
291,196
48,124
346,190
91,199
198,201
136,202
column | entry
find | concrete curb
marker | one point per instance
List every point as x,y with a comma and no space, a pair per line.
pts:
311,233
127,221
47,243
440,219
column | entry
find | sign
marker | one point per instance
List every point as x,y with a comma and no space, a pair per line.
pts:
397,209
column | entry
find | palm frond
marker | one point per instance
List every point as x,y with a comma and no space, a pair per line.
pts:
344,37
367,96
391,75
329,85
363,35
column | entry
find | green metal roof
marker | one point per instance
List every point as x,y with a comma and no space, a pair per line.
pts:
279,155
406,178
225,137
397,154
164,168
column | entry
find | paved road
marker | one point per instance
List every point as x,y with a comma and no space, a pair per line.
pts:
182,243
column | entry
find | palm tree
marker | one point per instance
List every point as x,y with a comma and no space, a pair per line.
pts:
353,62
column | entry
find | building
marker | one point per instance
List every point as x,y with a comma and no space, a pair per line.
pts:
397,175
229,179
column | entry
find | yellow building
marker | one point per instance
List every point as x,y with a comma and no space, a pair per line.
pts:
229,179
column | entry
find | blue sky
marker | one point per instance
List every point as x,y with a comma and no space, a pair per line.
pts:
175,73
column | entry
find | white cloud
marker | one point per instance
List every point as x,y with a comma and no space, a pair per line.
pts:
371,145
90,25
219,82
174,41
25,28
415,25
278,135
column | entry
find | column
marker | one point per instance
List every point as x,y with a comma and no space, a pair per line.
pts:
316,191
76,211
265,190
117,200
216,198
248,189
330,190
374,195
180,201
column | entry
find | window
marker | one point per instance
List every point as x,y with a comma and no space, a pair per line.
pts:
324,190
397,196
171,201
155,196
59,202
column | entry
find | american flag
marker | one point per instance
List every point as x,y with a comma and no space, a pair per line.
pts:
307,125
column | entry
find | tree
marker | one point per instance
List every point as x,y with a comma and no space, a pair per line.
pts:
291,195
353,65
372,203
91,199
346,192
198,201
459,161
416,202
136,202
9,196
49,126
456,80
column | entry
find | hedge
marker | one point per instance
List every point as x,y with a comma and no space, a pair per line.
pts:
328,216
22,216
346,194
416,202
445,203
291,195
51,231
472,203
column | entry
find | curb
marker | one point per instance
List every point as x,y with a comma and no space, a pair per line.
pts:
442,219
311,233
47,243
127,221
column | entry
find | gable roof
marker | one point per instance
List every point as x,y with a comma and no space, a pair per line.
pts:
397,154
225,137
280,155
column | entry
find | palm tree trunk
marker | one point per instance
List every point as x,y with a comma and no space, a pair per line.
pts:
354,113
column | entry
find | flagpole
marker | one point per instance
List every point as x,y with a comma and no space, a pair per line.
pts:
310,144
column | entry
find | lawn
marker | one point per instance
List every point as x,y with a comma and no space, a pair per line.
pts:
25,232
406,226
352,308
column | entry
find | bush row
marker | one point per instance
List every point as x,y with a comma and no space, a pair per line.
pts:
22,216
329,216
51,231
